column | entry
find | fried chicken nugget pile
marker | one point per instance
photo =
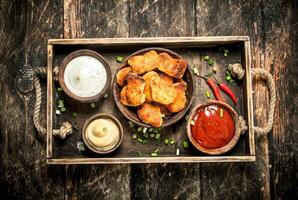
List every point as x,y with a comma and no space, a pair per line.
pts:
154,84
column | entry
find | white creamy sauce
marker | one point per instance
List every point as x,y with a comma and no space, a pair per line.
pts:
85,76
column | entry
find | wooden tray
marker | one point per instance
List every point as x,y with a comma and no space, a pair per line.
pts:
190,48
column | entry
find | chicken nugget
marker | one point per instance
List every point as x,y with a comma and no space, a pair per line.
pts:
150,114
171,66
133,93
162,92
121,75
144,63
147,77
180,101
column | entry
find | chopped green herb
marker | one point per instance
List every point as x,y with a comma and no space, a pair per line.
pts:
60,103
172,142
211,62
195,70
92,105
58,112
206,58
80,146
63,109
207,94
192,122
139,129
130,124
134,136
221,112
177,152
153,154
140,153
167,141
144,130
119,59
155,130
59,89
225,54
157,136
104,129
145,135
226,50
156,151
144,141
185,144
74,114
186,117
140,140
152,135
150,130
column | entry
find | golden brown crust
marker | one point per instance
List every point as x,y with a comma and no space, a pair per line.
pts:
180,101
165,77
121,75
150,114
147,77
162,92
144,63
133,93
171,66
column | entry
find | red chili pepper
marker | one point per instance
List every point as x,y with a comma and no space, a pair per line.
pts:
228,91
215,89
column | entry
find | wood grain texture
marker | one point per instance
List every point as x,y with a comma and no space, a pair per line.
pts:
25,27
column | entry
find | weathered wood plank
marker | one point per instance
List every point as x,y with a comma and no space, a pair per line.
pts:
96,19
235,18
25,27
281,42
167,181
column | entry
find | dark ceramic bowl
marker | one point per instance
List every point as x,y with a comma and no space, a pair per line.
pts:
131,113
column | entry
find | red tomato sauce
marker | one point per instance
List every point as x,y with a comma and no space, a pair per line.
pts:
213,128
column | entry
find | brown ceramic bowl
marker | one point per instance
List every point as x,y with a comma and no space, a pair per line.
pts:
131,113
84,52
232,142
90,145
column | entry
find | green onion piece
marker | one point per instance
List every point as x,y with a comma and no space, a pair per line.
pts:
177,152
185,144
130,124
140,153
195,70
155,130
167,141
157,136
228,78
150,130
134,136
58,112
153,154
192,122
172,142
144,141
221,112
140,140
59,89
226,50
119,59
225,54
144,130
63,109
156,151
74,114
145,135
152,135
211,62
186,117
92,105
60,103
207,94
206,58
139,129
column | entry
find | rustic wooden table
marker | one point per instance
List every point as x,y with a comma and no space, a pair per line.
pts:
25,27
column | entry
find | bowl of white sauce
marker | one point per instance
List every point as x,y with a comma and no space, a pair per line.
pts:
85,75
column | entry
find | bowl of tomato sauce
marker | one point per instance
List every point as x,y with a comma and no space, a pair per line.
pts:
213,127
